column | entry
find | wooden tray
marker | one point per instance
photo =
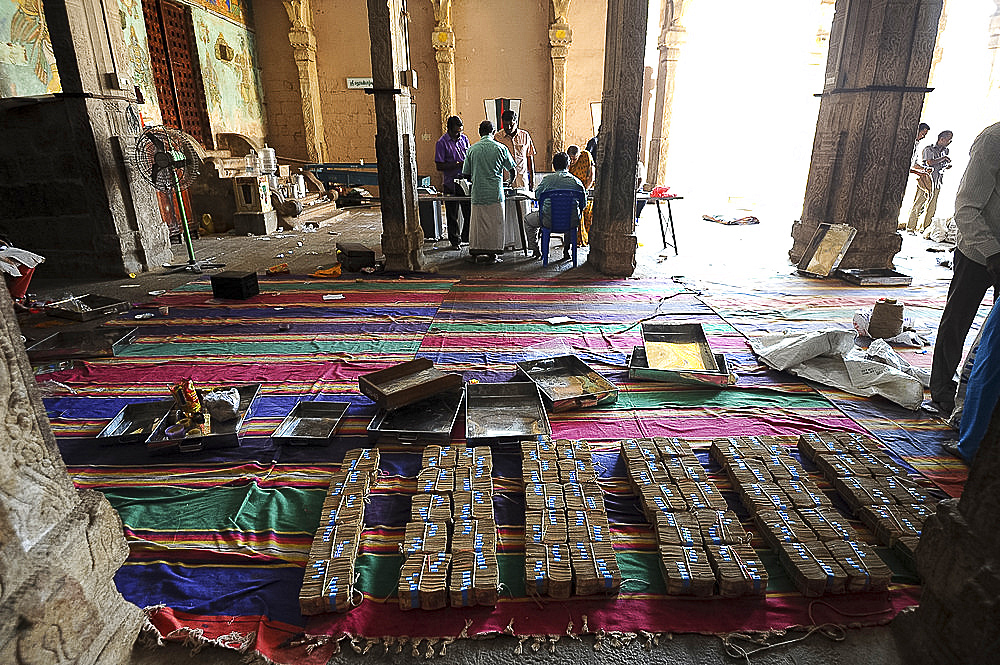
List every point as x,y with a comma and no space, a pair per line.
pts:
406,383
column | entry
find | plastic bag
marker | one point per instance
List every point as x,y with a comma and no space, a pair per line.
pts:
223,405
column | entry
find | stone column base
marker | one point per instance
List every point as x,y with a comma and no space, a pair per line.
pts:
612,254
404,253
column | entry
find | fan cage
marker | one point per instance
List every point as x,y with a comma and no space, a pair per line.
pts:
163,154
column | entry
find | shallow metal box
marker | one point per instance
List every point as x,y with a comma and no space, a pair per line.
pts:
678,346
135,422
406,383
504,412
97,343
310,423
566,382
224,434
430,419
87,308
638,368
873,277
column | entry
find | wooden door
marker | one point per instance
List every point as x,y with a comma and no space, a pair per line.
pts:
174,60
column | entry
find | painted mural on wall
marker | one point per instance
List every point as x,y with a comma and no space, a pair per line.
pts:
235,10
229,70
137,55
27,63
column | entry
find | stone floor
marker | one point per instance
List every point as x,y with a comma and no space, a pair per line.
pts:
713,255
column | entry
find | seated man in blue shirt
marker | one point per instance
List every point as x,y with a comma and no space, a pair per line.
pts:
561,179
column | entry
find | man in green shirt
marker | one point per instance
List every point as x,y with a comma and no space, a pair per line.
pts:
484,164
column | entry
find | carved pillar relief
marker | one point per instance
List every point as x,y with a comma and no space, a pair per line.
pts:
672,37
938,46
303,41
443,42
560,38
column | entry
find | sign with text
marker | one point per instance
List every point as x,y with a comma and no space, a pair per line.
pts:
358,82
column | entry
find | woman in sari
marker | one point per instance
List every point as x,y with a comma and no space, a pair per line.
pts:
581,164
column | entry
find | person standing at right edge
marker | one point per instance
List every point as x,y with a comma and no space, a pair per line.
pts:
977,262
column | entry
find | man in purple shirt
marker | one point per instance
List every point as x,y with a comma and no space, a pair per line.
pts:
449,155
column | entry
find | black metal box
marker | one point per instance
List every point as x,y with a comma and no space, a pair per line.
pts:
354,256
233,285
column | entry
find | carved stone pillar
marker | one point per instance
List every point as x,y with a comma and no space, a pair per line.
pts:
402,236
993,96
817,56
303,41
876,76
612,237
958,558
59,547
443,41
560,39
672,37
938,46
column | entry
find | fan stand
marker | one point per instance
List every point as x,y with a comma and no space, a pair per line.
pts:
193,265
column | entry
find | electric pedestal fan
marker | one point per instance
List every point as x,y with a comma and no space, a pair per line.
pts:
168,159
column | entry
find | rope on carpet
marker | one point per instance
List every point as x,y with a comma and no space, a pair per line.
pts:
832,631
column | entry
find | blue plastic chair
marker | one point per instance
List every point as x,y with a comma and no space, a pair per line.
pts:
563,220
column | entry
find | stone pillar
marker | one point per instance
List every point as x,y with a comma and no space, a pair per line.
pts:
672,36
958,558
303,41
817,56
560,39
938,46
876,76
402,236
443,42
68,189
612,238
993,95
59,547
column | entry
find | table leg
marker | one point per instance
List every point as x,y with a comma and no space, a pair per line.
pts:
673,234
663,229
520,225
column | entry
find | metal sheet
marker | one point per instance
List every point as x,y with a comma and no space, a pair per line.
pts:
566,382
504,412
310,423
873,277
224,434
431,419
639,369
87,308
826,249
135,423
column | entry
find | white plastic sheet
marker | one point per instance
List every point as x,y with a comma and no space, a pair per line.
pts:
830,357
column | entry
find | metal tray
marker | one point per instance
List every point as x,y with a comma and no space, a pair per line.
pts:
135,422
659,340
88,307
310,423
873,277
826,249
431,419
97,343
638,368
406,383
224,434
566,382
504,412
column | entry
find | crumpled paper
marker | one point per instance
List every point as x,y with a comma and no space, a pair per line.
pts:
829,357
222,404
12,257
